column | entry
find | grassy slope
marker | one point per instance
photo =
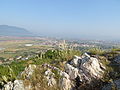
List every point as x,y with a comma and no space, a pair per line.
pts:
10,72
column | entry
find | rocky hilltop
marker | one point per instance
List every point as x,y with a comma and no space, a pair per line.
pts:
80,73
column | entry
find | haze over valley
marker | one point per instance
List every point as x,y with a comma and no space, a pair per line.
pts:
59,45
65,19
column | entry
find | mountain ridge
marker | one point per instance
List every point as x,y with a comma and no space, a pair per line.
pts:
6,30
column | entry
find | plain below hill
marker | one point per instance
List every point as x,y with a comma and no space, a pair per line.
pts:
6,30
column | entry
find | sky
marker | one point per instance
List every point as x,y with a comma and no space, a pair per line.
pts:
82,19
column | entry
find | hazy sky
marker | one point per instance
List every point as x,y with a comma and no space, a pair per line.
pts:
98,19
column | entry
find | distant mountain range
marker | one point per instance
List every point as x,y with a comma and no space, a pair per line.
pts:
6,30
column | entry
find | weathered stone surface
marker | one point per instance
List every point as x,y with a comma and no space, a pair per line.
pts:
85,68
28,71
50,78
79,70
82,69
92,67
16,85
65,83
75,62
8,86
72,71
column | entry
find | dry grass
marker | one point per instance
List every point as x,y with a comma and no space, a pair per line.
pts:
38,81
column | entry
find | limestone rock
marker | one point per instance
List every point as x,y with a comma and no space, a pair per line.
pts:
85,67
75,61
72,71
65,82
28,71
8,86
16,85
82,69
50,78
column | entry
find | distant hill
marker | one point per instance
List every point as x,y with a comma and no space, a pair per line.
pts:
6,30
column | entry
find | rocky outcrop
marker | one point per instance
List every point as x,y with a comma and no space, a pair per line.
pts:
19,84
50,78
16,85
8,86
85,69
65,82
64,79
27,73
78,71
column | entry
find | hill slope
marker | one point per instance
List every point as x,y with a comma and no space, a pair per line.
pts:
6,30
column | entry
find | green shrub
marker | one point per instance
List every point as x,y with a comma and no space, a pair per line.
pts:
96,51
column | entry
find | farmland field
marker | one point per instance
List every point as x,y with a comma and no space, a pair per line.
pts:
11,47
